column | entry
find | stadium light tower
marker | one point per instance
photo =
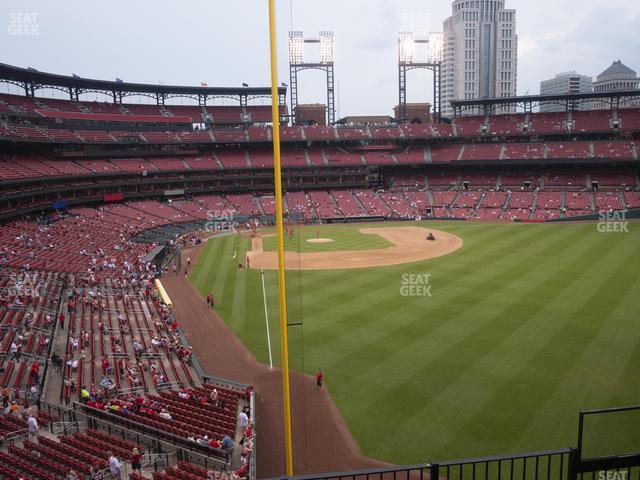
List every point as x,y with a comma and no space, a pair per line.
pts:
407,61
297,63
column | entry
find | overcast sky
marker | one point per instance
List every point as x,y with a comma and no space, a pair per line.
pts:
226,43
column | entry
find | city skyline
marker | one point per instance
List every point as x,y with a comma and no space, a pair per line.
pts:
188,46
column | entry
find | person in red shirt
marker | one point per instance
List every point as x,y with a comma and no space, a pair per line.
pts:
136,461
319,379
247,393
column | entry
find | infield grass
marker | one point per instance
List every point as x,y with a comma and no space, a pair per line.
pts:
345,237
526,325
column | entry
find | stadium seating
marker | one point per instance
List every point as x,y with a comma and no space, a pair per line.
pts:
298,203
494,200
617,149
548,122
379,158
324,204
352,133
411,155
565,180
373,203
415,181
578,201
632,199
481,151
568,150
233,158
523,151
467,199
348,204
629,118
608,201
338,156
385,132
445,153
468,126
416,130
591,121
505,124
317,132
443,180
549,200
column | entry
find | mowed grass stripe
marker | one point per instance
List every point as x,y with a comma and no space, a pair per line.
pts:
606,380
445,356
339,293
379,319
515,351
208,272
566,343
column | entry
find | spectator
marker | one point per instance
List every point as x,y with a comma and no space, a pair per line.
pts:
247,393
32,426
84,395
72,475
13,350
227,443
243,419
114,465
213,396
136,461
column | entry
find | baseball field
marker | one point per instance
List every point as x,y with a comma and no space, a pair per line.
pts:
490,343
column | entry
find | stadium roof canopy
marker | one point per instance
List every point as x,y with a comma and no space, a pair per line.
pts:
32,80
526,103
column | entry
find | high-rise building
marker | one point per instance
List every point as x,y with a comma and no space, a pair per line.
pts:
480,52
617,77
565,84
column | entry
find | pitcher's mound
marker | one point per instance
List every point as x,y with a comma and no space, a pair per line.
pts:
320,240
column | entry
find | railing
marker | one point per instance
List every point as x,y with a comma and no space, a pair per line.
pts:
213,380
16,436
64,428
104,474
546,465
158,461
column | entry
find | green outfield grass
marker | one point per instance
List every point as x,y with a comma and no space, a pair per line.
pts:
525,325
345,237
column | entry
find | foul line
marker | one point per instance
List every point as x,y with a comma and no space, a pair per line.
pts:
266,318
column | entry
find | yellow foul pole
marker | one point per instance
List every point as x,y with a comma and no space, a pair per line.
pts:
275,114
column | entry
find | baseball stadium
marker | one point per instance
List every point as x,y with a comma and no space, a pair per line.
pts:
210,282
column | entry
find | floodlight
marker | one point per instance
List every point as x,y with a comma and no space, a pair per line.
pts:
327,47
406,47
296,47
436,41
